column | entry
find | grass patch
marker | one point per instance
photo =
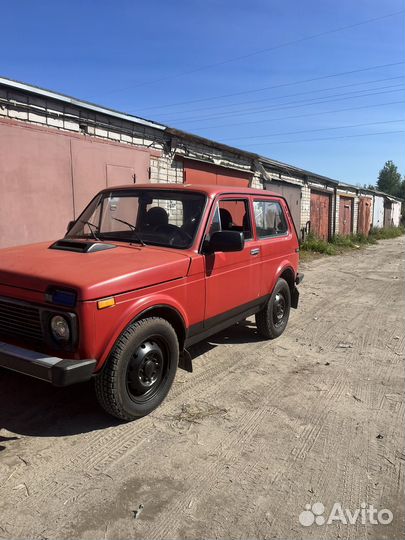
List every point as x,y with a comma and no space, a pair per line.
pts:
387,232
339,244
312,243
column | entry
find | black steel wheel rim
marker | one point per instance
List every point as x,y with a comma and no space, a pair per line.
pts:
279,309
147,369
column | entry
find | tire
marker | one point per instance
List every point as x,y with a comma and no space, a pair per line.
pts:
272,320
140,370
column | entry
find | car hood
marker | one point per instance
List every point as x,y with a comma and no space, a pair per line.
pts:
92,275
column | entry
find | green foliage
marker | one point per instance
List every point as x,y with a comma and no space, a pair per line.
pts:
312,243
343,241
389,180
387,232
340,243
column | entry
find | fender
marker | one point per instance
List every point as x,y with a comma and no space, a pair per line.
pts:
291,282
282,267
134,311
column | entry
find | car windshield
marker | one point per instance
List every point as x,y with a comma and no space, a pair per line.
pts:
145,216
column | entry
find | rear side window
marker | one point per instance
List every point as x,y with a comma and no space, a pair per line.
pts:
270,219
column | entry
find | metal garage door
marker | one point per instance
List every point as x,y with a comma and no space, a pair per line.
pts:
345,216
292,195
320,214
198,172
364,221
47,177
387,213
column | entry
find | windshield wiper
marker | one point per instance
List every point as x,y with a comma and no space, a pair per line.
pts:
91,225
133,228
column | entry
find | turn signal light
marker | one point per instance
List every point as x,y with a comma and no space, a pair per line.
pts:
107,302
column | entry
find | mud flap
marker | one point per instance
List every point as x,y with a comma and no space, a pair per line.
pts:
185,361
294,297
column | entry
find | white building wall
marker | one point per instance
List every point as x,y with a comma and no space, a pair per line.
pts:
378,212
396,213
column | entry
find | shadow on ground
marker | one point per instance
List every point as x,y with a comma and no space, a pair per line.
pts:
35,408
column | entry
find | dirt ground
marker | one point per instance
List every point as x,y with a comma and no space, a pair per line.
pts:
258,431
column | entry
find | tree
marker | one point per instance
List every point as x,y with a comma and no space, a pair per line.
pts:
389,179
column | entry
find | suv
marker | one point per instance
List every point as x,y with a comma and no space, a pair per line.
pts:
143,273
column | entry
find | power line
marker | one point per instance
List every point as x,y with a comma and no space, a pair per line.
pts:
282,85
301,115
261,51
284,96
330,138
290,105
312,130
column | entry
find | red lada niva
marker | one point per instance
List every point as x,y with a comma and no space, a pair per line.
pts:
145,272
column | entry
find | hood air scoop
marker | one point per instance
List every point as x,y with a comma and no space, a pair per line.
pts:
66,244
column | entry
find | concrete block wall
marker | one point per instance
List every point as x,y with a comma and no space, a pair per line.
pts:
305,205
355,214
337,210
51,113
166,169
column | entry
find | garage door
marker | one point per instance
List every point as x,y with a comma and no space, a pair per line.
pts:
387,214
292,195
320,212
364,221
198,172
345,216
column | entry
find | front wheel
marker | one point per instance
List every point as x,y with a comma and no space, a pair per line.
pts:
272,320
140,370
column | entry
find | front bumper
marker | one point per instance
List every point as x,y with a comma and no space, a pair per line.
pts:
57,371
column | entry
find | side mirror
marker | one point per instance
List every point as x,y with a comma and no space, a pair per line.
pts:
70,225
227,241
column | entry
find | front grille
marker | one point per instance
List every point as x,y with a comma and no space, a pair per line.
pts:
19,320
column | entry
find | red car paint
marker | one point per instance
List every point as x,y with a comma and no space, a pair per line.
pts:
195,286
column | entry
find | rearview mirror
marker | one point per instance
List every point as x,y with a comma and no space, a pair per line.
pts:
70,225
227,241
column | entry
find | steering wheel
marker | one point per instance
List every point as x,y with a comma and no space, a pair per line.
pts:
175,233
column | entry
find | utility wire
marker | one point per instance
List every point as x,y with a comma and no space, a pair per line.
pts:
283,96
330,138
291,105
261,51
312,130
302,115
282,85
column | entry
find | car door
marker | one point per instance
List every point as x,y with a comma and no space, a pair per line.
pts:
274,232
232,279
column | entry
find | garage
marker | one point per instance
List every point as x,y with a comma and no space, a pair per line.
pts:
320,214
364,220
47,177
345,216
292,195
199,172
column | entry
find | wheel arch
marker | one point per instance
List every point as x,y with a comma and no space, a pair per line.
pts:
288,275
171,315
153,308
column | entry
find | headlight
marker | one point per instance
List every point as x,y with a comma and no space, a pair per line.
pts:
60,328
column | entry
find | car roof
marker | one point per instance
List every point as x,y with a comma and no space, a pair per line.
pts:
210,190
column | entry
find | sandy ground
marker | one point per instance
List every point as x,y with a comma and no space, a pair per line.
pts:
259,430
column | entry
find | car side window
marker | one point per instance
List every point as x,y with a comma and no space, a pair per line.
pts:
270,219
235,216
231,215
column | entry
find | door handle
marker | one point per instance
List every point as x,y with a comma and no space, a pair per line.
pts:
255,251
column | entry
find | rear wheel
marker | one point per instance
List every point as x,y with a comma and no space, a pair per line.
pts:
140,370
272,320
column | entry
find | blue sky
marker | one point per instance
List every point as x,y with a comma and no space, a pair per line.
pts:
171,61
